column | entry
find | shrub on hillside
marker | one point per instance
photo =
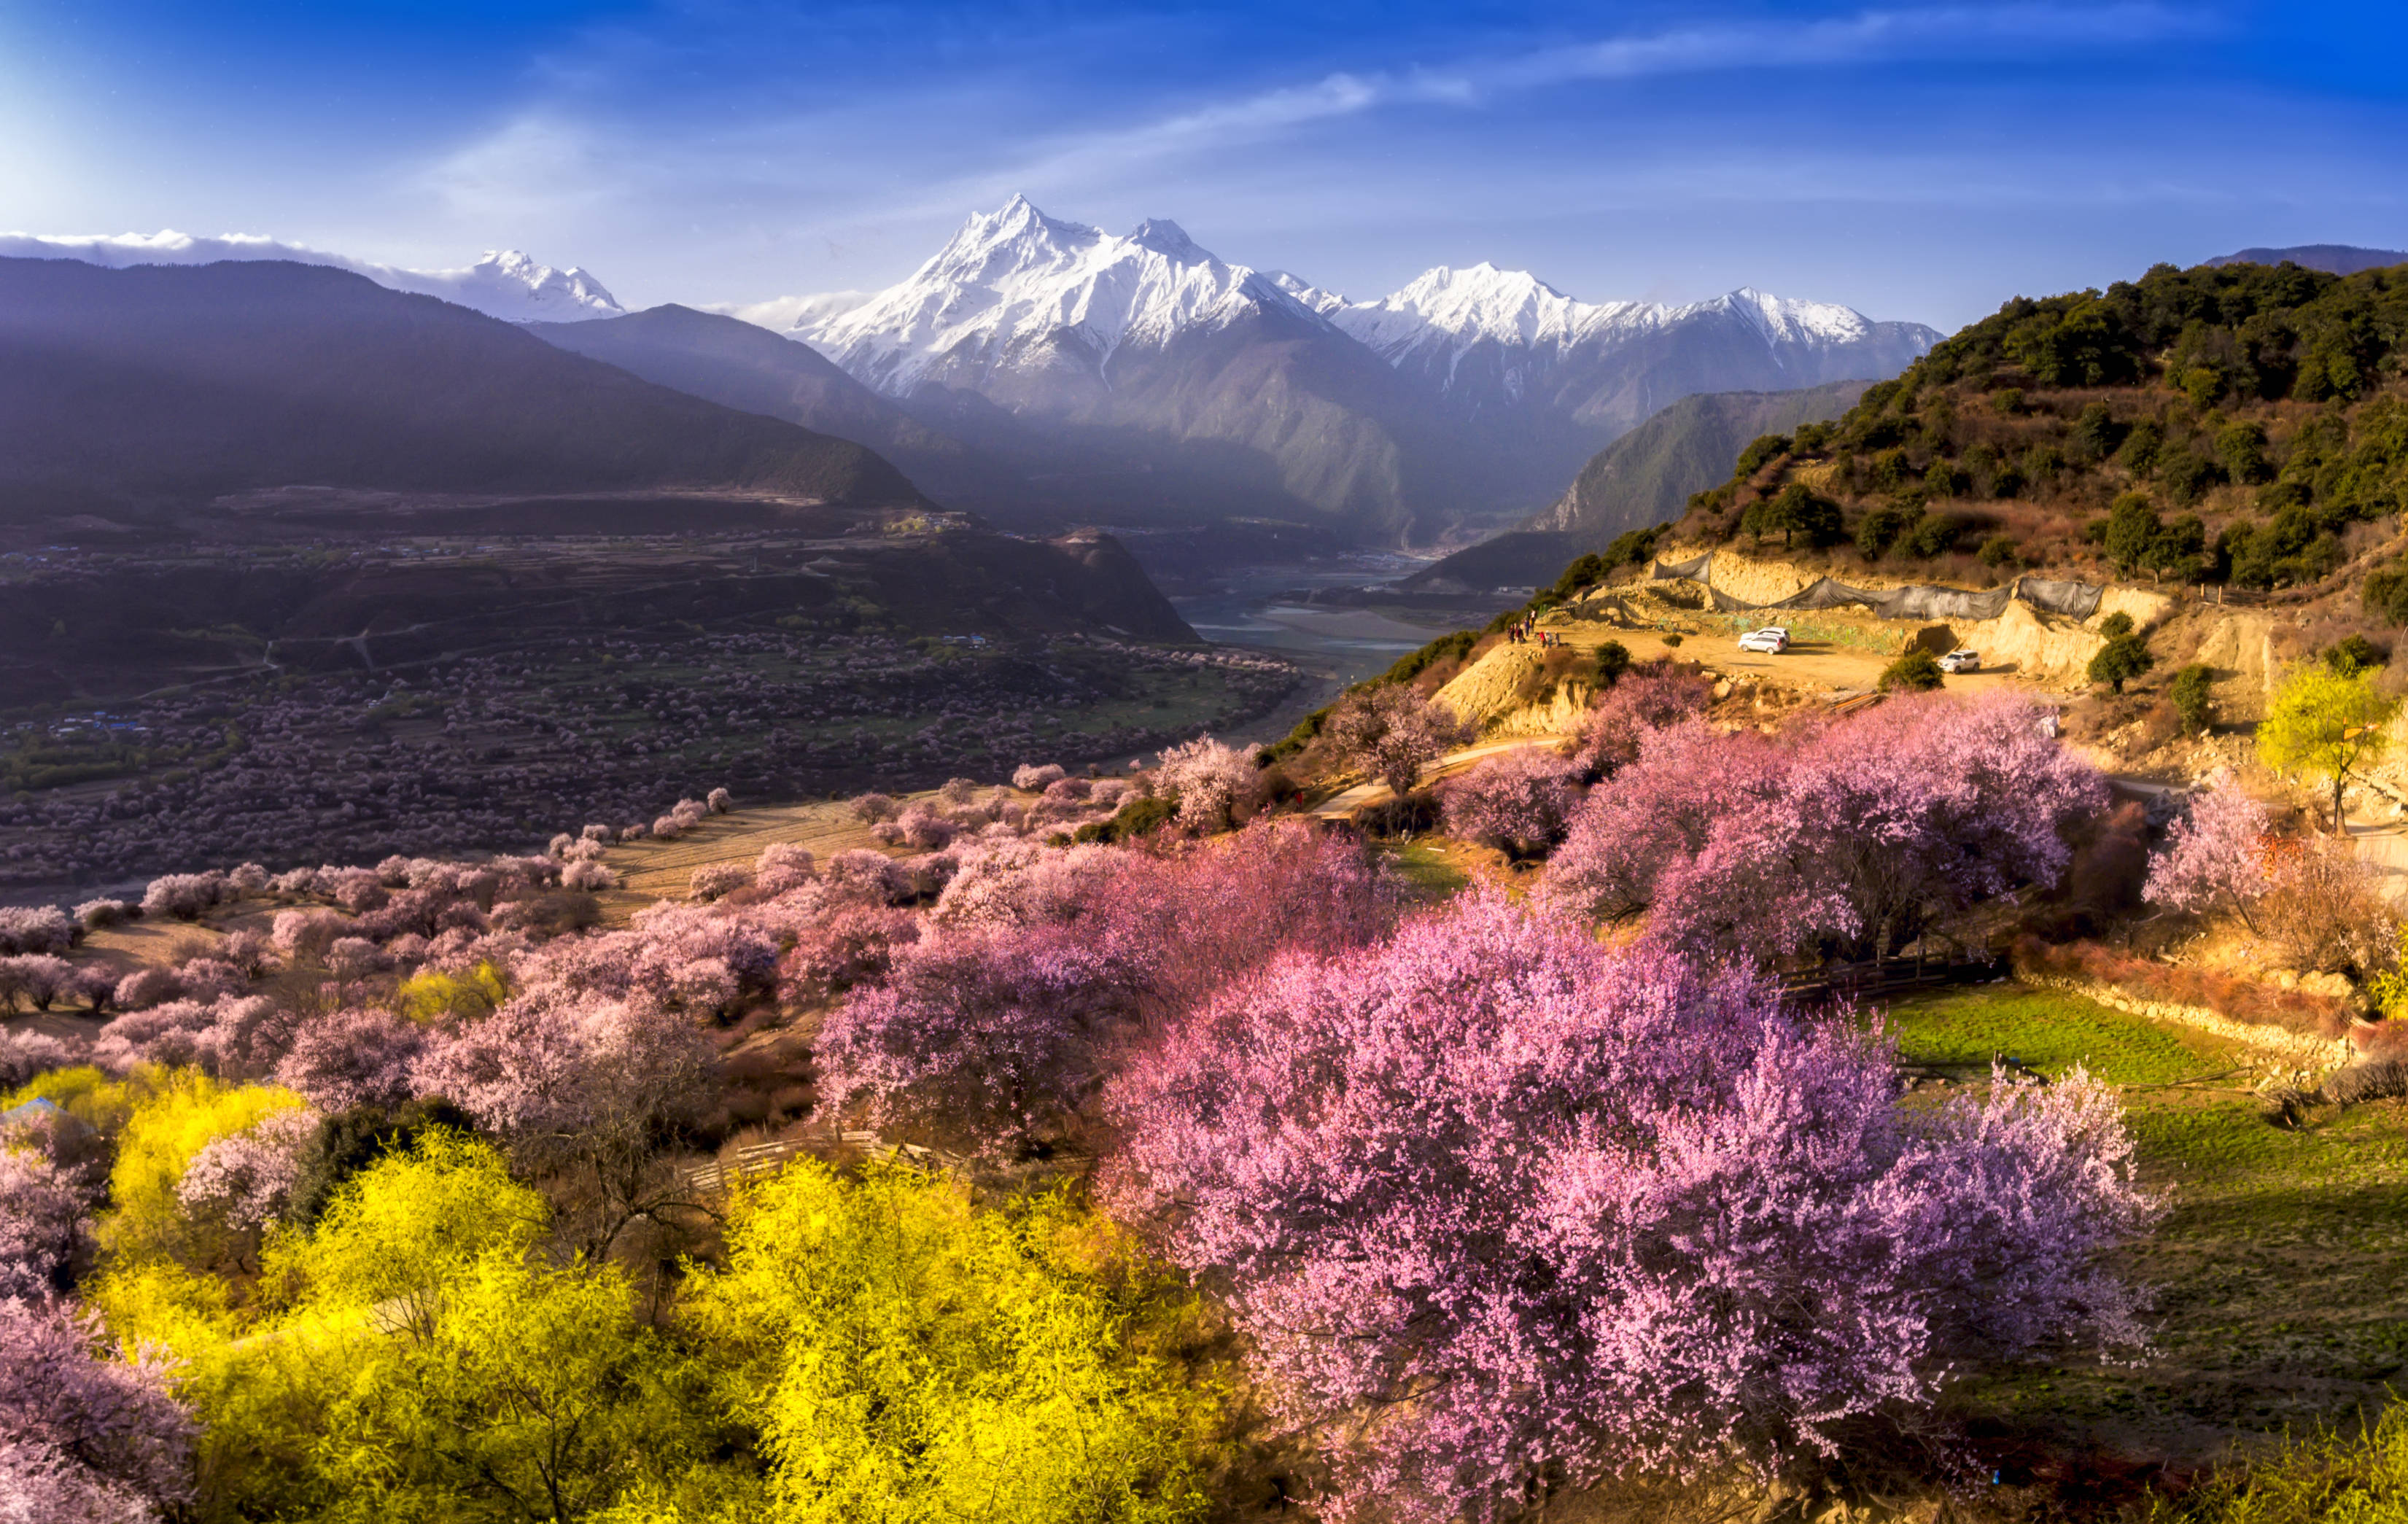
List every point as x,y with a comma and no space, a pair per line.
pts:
783,866
714,881
1715,1236
1917,671
1215,786
2147,979
1031,778
93,915
871,808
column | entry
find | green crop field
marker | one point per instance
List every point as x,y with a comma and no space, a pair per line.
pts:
2280,1274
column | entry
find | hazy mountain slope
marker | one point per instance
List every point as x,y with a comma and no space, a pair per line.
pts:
505,283
2332,258
1547,379
1646,476
1643,478
1146,355
166,386
738,365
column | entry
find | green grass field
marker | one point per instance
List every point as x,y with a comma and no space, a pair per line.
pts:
2280,1272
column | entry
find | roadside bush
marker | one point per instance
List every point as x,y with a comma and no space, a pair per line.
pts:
871,808
1613,660
1392,734
1917,671
2123,658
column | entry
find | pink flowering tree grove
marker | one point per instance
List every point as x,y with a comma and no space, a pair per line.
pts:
1042,968
84,1436
1501,1209
2215,855
1215,785
43,1230
1854,838
1520,800
1651,696
1392,732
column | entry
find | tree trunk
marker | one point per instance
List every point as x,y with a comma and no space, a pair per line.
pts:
2338,779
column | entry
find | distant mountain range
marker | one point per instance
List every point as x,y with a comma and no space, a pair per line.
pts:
1044,372
157,388
1640,480
1467,396
505,283
2332,258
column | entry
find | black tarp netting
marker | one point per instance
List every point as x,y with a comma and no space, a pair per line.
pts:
2078,599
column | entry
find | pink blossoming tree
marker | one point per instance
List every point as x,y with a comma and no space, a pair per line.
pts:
1500,1209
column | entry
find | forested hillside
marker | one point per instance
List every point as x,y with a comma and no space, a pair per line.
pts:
2242,423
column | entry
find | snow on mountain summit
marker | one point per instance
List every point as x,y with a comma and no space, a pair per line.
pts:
505,283
1447,311
1017,288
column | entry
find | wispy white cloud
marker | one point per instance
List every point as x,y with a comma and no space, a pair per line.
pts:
549,157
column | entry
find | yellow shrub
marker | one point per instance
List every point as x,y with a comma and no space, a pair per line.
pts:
907,1355
183,1112
431,995
85,1094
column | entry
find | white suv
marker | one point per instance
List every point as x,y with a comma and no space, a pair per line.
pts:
1772,639
1961,660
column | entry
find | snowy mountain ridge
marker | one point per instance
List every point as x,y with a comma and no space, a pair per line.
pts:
1012,285
505,283
1017,289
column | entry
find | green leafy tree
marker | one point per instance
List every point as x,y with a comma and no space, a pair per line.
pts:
2095,433
2125,656
2193,693
907,1356
1613,660
2242,449
2327,724
1998,550
1878,530
415,1358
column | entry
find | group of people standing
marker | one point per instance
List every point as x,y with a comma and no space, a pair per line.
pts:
1526,631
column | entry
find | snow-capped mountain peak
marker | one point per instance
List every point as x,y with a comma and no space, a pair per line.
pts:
1015,288
1788,320
1167,238
505,283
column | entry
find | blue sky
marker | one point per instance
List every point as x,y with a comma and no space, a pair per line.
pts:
1913,161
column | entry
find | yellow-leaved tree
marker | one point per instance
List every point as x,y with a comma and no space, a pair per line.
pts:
415,1358
2326,723
906,1356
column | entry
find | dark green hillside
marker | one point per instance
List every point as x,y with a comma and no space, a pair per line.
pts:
1639,481
2239,424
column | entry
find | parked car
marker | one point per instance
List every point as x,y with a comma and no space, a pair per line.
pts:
1961,660
1772,639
